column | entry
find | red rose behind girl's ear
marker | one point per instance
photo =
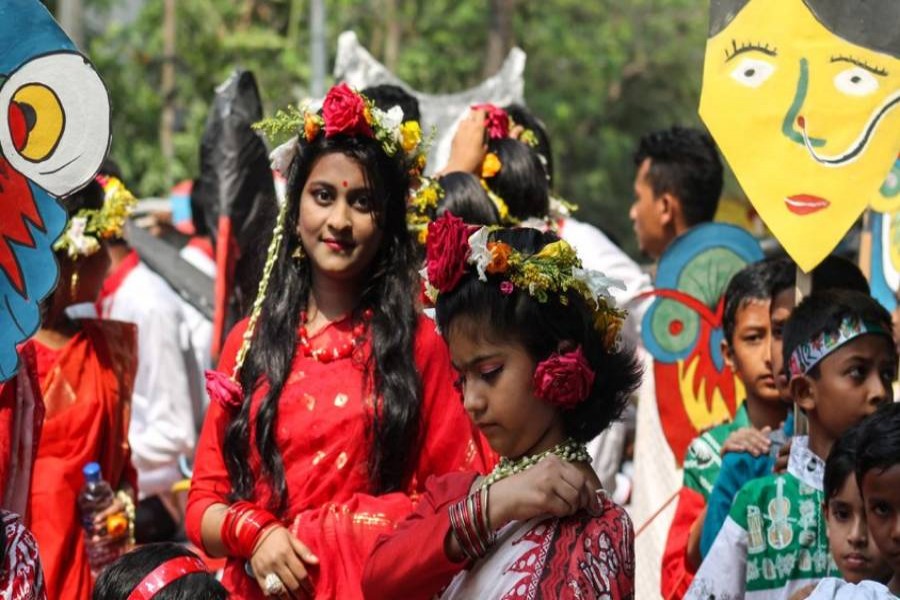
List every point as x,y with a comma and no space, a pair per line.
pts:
344,112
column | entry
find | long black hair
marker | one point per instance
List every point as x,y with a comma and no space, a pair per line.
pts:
521,181
389,292
541,327
465,198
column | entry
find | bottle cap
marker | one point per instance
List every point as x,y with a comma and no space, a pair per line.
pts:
91,471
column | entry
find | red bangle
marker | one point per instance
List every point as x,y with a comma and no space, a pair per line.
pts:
243,526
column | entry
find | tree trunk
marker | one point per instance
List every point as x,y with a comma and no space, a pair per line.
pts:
392,37
167,120
70,14
500,34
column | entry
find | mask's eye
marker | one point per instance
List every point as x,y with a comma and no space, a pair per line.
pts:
752,72
856,81
56,125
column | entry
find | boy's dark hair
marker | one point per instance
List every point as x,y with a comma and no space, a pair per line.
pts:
386,96
465,198
118,580
822,312
750,283
685,163
835,272
841,462
521,181
541,327
879,441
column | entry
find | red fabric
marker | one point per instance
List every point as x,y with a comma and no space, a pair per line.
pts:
21,421
323,419
114,280
576,557
226,258
411,563
87,393
677,574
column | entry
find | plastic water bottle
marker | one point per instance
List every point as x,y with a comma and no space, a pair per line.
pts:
103,546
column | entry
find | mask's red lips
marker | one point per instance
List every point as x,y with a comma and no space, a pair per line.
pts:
805,204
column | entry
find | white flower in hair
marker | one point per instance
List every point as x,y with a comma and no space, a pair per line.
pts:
281,157
79,243
479,254
598,283
390,120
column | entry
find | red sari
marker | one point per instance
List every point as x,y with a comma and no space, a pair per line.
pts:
322,433
86,388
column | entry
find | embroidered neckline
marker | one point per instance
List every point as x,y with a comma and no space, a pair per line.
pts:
346,349
805,465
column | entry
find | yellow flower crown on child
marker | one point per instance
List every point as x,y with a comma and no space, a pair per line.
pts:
455,248
348,112
89,226
424,201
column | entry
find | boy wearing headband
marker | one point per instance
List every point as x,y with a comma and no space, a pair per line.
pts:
840,361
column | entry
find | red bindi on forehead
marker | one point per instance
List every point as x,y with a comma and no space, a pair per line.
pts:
344,183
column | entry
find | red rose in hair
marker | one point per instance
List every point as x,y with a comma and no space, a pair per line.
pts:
447,251
344,112
564,380
496,121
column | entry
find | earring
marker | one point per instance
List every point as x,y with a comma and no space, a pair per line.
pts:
299,253
73,285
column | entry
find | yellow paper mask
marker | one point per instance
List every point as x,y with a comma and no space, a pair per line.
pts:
808,120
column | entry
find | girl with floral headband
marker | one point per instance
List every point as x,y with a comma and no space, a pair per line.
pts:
334,402
535,341
74,389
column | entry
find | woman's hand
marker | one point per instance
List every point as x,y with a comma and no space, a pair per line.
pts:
468,147
551,487
748,439
279,552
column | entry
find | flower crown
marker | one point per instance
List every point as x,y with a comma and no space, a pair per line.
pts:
348,112
454,248
424,201
89,226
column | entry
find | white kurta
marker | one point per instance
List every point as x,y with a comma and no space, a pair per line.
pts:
162,417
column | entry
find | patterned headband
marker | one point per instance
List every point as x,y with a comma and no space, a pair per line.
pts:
807,355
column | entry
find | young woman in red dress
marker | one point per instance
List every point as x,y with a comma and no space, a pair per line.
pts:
345,403
534,338
79,372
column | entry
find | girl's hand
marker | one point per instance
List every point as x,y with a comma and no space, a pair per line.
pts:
279,552
748,439
468,147
551,487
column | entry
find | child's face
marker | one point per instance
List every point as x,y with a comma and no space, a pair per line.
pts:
853,549
781,308
881,490
496,380
749,353
853,381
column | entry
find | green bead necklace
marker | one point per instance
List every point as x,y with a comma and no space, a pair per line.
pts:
569,451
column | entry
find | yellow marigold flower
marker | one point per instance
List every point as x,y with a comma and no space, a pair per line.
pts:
557,250
310,127
423,235
367,113
410,135
490,166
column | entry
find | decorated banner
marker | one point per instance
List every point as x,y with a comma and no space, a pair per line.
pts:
884,226
801,96
54,134
682,330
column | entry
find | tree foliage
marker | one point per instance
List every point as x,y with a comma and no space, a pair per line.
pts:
599,73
